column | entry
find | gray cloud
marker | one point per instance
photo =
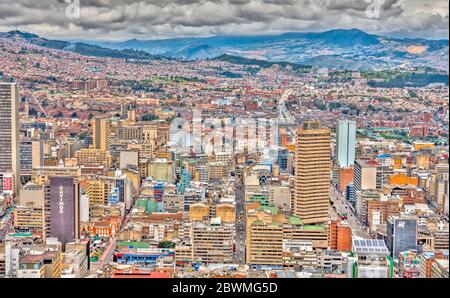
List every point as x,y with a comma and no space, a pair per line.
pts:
123,19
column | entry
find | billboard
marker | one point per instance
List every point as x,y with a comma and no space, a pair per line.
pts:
63,209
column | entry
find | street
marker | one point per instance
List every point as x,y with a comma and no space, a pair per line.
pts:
240,222
342,206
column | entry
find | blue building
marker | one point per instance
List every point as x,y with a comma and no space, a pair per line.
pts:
350,194
346,143
113,197
283,156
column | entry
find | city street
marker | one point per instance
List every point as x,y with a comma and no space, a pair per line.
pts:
342,206
240,222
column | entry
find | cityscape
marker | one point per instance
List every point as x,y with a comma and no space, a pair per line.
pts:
301,153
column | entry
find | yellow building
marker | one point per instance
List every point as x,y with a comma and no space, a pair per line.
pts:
212,244
226,212
134,176
198,212
29,218
217,170
150,134
161,170
97,192
145,150
402,180
52,264
183,253
267,230
397,162
422,145
423,161
93,156
42,174
70,162
312,173
264,244
102,133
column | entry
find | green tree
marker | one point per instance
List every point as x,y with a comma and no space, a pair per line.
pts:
149,117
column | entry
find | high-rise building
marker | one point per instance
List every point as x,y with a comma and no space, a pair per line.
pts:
339,236
9,131
102,133
346,143
87,157
64,209
401,235
312,173
365,175
212,244
31,155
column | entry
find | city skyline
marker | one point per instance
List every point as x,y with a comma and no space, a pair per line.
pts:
296,156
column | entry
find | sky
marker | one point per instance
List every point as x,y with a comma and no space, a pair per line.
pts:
157,19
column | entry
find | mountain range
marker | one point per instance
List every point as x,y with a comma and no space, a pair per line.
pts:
86,49
342,49
351,49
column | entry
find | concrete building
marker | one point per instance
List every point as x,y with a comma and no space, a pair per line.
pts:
64,201
212,244
401,235
269,230
162,170
9,133
102,133
29,218
370,259
87,157
198,212
226,212
365,177
339,236
129,158
312,173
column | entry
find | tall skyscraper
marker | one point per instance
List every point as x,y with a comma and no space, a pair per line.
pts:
9,131
346,143
102,133
312,173
64,204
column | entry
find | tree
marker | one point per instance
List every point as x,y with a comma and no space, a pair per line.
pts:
166,244
32,112
149,117
59,114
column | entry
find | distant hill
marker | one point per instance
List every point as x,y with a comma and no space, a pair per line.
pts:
84,49
195,52
339,49
261,63
347,38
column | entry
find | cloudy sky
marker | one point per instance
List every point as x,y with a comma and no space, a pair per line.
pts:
154,19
